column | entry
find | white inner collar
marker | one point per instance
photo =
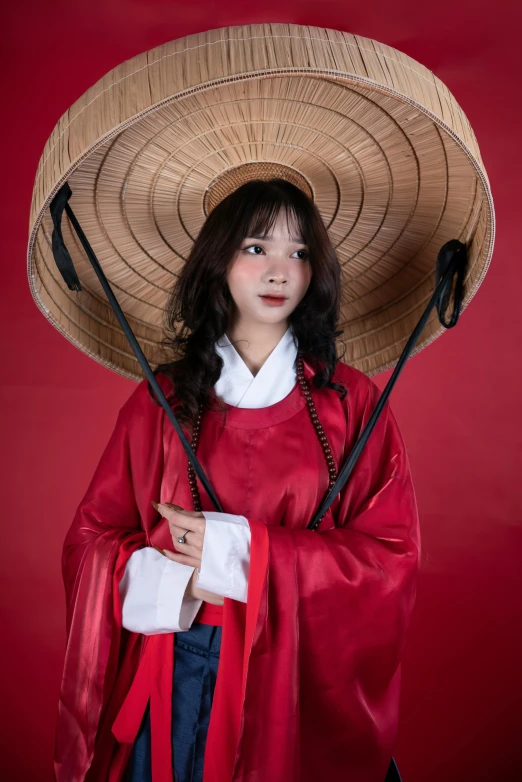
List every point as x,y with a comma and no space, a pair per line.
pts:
237,386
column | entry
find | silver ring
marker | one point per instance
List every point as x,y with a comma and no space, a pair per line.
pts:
182,539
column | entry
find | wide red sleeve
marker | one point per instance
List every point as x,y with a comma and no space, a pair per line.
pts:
332,609
105,530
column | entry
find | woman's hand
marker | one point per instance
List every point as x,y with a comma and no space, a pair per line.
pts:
179,521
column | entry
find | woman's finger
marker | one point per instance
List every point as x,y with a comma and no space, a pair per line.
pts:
184,548
193,543
179,530
193,520
194,513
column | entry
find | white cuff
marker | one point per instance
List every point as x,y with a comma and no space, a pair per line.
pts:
153,597
225,559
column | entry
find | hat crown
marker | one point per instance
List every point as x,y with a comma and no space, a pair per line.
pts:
231,179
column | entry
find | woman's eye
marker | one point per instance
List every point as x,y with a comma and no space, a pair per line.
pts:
305,254
253,246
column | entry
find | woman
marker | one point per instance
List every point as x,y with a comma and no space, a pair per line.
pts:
308,626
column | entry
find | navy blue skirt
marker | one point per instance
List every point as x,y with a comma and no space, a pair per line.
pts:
196,658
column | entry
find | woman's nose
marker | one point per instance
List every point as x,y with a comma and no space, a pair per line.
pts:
277,272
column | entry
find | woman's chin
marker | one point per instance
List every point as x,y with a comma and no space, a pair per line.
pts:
273,317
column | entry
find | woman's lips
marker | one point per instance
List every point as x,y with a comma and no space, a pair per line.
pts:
274,301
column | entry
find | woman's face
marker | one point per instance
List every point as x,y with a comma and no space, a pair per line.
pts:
275,265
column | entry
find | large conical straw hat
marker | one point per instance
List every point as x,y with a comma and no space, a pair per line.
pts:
374,137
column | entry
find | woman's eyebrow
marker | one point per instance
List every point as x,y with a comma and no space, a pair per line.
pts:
295,239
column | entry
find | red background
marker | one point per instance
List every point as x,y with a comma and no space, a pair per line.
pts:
458,402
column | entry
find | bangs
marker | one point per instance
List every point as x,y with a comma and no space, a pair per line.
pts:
264,213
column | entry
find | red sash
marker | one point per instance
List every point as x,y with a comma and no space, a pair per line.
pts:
153,679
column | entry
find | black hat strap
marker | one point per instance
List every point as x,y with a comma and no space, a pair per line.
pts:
451,261
66,267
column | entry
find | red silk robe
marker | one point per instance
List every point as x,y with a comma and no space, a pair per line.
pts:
309,673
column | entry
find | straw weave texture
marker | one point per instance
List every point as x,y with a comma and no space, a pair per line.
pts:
374,137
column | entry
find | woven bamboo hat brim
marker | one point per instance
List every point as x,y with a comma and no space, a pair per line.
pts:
374,137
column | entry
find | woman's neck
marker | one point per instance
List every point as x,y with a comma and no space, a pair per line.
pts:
255,341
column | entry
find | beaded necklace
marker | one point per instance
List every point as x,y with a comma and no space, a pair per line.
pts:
327,451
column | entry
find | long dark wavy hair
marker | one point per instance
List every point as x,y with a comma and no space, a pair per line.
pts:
200,305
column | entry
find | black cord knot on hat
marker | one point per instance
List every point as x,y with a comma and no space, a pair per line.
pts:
60,251
453,252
